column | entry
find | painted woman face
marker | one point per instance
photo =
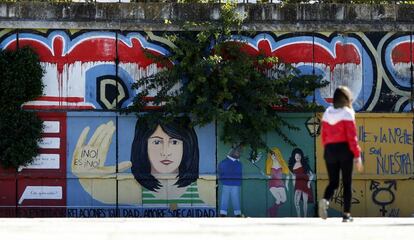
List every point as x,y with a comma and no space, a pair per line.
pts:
275,160
164,152
298,157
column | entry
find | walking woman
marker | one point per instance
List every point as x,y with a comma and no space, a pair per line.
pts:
339,138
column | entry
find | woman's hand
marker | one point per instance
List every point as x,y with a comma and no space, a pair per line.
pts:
358,164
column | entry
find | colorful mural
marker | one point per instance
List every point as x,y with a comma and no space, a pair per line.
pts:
95,162
269,188
88,70
159,172
95,69
387,153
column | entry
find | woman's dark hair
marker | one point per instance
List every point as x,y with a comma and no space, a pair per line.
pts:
141,166
303,160
342,97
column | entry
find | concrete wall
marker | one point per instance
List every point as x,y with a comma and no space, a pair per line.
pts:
260,17
84,169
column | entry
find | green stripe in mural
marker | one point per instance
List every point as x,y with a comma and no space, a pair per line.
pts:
190,195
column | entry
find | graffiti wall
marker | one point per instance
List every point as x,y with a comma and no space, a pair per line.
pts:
387,151
96,162
276,184
137,170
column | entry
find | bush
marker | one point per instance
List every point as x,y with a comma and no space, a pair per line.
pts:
21,81
21,132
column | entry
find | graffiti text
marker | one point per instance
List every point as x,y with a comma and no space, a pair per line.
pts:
392,163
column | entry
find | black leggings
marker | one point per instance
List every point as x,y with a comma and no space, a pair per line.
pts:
339,158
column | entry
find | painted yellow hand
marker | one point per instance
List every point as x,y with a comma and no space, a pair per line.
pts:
88,164
89,159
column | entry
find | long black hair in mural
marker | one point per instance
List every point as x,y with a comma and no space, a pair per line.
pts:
169,148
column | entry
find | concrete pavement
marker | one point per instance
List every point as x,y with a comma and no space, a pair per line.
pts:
206,228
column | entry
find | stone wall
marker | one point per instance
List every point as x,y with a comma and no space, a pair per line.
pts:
260,17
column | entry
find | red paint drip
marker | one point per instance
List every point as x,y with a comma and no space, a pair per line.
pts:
303,52
307,53
136,54
89,50
401,53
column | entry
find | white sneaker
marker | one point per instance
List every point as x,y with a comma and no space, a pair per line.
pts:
323,208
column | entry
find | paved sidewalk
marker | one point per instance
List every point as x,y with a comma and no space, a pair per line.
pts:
206,228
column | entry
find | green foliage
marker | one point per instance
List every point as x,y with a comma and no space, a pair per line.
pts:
215,80
21,78
21,81
21,132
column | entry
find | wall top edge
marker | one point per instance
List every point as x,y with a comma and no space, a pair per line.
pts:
256,14
305,27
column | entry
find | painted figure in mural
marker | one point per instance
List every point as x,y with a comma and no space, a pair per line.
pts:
339,138
230,175
302,178
278,185
165,161
164,165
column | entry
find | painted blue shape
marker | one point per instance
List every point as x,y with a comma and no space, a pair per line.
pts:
95,72
403,81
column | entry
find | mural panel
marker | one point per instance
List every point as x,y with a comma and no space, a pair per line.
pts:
156,170
339,59
276,184
387,152
90,164
95,69
87,69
